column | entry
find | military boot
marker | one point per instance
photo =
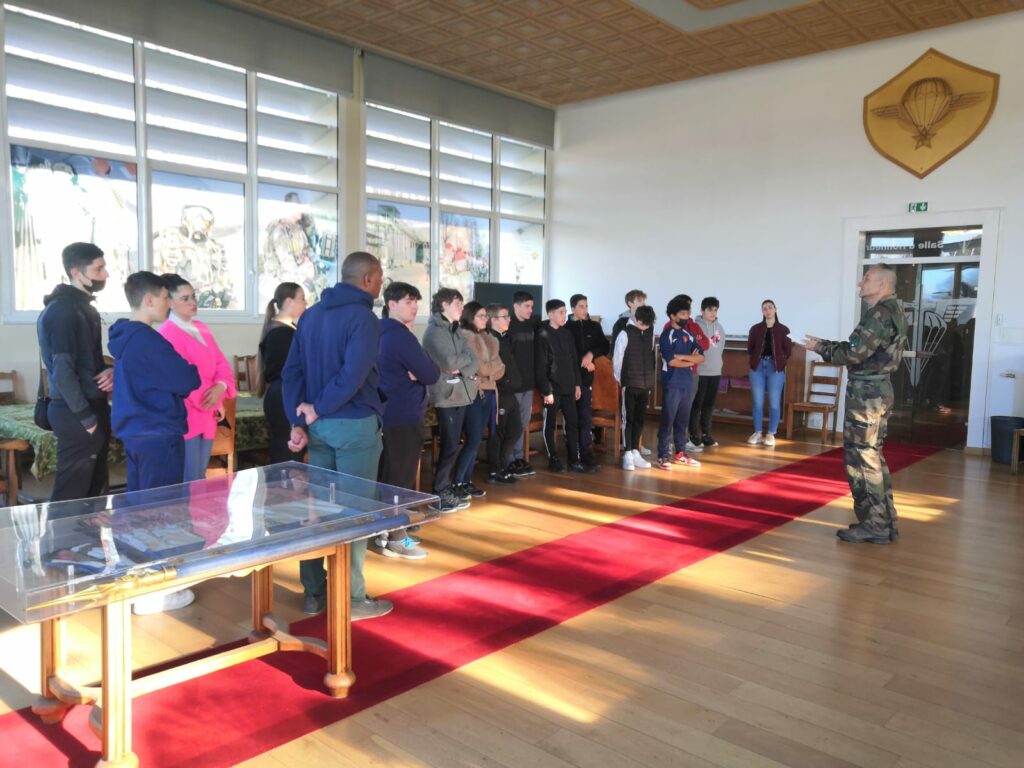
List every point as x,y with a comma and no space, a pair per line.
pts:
894,532
858,534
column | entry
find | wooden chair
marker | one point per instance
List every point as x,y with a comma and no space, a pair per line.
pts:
606,404
9,450
245,372
1018,435
222,457
823,388
9,393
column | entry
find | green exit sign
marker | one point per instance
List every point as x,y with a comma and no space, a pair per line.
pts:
917,207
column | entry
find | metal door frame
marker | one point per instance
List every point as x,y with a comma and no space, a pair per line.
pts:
989,219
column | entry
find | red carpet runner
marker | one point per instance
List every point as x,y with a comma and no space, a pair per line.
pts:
439,625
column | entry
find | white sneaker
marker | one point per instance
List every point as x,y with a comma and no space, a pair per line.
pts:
755,439
627,461
644,451
692,447
769,440
640,462
159,602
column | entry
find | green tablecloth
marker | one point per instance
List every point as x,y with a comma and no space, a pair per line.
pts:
16,423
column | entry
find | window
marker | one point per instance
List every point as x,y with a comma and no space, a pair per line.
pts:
64,197
399,235
199,233
232,218
195,110
298,231
69,84
465,251
476,188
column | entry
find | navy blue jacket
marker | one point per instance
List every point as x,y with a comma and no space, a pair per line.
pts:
151,382
400,355
677,341
333,359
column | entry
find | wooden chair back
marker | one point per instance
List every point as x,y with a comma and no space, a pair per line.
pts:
245,372
823,389
8,388
536,421
606,402
222,457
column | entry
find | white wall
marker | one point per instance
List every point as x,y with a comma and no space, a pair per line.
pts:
739,185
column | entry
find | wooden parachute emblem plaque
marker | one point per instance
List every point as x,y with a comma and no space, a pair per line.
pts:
929,111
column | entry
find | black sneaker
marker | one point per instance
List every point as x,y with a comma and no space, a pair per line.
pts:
460,491
555,465
473,491
504,478
520,469
446,503
313,604
583,469
708,441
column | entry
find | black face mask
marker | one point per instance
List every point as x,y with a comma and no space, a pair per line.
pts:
95,286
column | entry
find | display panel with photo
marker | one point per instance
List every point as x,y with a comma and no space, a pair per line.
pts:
199,233
298,240
522,252
64,197
465,251
399,235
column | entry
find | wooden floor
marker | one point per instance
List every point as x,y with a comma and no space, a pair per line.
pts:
790,650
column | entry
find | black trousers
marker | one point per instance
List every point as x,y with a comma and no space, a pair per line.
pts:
400,458
278,424
81,457
634,408
502,442
567,405
703,407
449,424
585,413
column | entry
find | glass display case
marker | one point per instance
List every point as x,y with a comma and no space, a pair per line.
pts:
61,558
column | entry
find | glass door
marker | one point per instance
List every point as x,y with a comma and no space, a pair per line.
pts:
937,284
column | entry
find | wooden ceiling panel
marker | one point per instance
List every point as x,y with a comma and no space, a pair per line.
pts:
560,51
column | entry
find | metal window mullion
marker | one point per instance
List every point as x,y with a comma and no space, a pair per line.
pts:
143,181
494,275
6,193
251,192
435,206
546,256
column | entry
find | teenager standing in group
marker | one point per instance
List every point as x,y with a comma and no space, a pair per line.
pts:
768,349
282,315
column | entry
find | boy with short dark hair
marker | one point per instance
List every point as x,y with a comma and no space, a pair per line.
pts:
522,332
680,351
558,379
151,382
633,364
709,374
591,343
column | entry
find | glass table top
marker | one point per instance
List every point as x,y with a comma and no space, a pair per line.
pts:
62,557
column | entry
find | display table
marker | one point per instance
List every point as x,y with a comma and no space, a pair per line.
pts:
62,558
251,433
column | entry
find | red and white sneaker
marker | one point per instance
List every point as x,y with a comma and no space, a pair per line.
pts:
664,464
682,458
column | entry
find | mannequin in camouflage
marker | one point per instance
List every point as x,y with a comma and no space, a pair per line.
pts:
871,355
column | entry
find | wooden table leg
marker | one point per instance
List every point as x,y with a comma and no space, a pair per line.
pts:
117,681
339,677
262,601
49,708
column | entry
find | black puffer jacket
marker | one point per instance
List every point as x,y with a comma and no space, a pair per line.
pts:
557,369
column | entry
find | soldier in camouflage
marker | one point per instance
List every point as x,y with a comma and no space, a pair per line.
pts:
871,355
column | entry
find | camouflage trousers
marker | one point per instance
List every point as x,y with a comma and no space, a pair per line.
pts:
868,404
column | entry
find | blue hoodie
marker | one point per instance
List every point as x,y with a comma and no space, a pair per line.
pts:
332,362
151,382
400,355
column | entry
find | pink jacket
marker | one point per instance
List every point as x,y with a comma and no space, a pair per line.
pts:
212,366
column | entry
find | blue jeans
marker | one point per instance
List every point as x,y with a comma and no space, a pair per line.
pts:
675,418
352,447
478,416
766,377
197,456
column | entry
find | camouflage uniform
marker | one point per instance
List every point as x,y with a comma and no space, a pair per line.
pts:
873,353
